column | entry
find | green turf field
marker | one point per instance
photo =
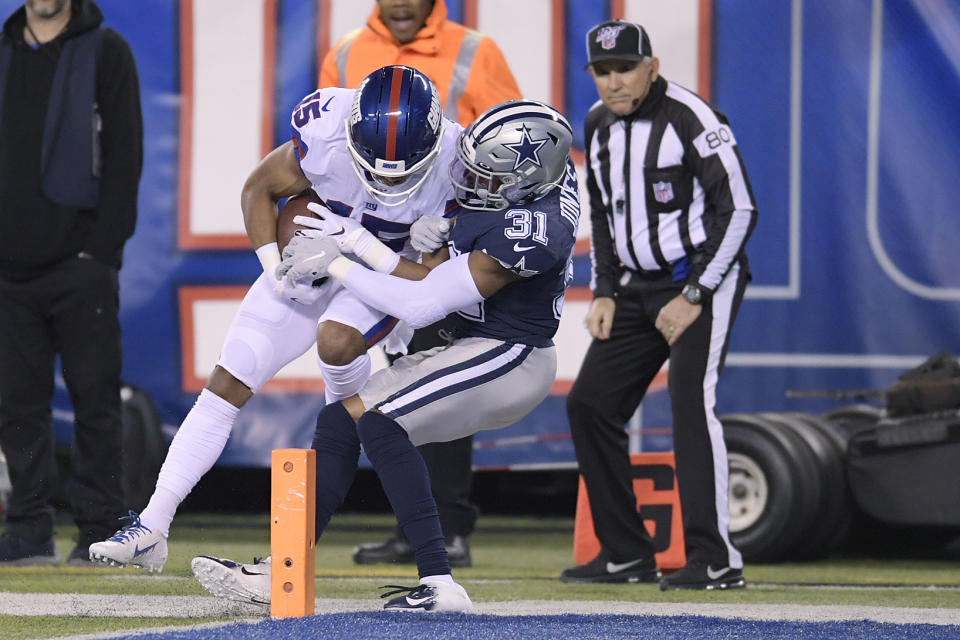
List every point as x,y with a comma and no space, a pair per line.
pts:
514,559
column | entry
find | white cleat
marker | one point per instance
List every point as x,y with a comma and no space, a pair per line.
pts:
134,544
234,580
433,595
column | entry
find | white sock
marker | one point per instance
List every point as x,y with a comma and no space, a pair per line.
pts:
159,511
343,381
196,447
446,578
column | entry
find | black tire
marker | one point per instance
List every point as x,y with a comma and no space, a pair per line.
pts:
844,524
830,430
833,511
144,446
769,489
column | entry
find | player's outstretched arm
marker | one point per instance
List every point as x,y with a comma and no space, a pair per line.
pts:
452,285
457,283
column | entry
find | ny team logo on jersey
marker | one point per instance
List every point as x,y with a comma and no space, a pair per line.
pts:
607,36
663,191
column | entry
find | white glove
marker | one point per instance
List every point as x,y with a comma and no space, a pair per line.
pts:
349,234
306,259
305,293
429,233
350,237
299,293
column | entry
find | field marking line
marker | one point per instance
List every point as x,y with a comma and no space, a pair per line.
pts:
774,612
826,586
25,604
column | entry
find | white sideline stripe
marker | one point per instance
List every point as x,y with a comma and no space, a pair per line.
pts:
799,586
855,587
123,606
35,604
796,612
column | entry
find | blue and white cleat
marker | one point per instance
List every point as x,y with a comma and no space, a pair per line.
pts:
237,581
433,595
134,544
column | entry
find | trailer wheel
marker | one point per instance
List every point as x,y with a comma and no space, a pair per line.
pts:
831,520
749,491
769,488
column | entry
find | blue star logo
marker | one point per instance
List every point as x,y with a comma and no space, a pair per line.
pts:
527,149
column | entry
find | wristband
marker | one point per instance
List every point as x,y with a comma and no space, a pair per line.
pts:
377,256
339,267
269,256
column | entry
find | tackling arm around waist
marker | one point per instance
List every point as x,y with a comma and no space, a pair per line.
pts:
448,287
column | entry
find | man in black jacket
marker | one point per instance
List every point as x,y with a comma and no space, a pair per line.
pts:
671,210
70,165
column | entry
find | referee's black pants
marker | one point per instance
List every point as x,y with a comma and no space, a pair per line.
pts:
612,381
71,309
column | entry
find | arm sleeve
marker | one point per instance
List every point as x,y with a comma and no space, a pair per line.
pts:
448,287
606,269
121,139
716,162
490,82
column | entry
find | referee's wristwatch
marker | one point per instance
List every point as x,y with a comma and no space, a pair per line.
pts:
692,294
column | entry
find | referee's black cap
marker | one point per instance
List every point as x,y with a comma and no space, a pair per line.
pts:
617,40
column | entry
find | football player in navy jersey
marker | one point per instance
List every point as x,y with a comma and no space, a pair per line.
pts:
504,269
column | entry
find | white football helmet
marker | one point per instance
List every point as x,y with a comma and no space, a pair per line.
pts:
514,152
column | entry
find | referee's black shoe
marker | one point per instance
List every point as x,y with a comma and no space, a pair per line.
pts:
703,576
396,550
604,569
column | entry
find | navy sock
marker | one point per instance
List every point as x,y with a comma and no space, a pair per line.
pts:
338,448
406,482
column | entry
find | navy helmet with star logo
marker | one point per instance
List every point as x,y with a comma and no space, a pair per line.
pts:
513,153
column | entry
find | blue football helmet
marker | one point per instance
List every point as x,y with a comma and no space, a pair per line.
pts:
394,132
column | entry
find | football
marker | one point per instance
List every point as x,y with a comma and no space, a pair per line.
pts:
295,206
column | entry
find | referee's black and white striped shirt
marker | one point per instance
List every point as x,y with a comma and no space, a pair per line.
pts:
666,183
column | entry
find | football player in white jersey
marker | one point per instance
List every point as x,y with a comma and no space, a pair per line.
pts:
370,156
510,254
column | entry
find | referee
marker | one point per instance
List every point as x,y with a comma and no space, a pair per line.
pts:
671,210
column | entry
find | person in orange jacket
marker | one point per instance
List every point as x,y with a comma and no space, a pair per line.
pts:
468,68
471,75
